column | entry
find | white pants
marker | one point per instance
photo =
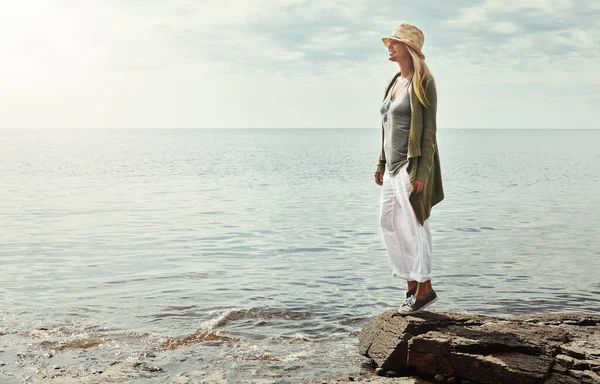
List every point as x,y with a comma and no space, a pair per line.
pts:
407,241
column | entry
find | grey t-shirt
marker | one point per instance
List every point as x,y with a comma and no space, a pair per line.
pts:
396,116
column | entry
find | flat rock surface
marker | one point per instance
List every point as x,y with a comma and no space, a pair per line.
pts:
547,349
130,373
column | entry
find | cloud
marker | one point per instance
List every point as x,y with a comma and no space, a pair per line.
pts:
150,63
549,38
310,37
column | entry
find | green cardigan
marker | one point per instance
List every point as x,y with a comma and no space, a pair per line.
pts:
423,154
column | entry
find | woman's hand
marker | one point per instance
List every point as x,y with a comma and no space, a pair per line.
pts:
419,186
379,178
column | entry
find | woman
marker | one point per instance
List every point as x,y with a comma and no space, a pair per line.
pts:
409,166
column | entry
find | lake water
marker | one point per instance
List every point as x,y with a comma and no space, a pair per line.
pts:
256,254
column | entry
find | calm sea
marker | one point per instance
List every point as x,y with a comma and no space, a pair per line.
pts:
256,254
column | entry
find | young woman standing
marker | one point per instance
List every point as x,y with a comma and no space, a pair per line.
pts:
409,167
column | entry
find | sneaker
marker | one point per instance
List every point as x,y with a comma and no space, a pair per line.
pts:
414,305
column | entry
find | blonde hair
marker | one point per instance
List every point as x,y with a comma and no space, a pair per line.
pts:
420,76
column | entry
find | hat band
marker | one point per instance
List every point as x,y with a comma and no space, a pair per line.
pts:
410,43
405,39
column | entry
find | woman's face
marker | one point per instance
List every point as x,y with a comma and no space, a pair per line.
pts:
397,51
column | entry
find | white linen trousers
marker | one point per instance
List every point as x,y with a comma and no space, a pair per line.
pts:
407,241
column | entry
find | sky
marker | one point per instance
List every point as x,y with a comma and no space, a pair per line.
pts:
498,64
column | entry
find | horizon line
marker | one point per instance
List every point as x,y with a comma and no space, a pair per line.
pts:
294,128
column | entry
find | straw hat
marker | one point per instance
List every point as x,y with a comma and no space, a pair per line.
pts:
409,35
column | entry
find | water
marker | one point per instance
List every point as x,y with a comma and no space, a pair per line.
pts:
256,254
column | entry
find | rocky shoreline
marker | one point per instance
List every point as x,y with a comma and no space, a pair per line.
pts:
455,348
425,348
139,373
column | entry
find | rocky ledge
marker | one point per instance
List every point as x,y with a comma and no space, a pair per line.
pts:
548,349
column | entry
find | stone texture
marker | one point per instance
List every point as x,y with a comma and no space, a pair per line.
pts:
377,380
545,349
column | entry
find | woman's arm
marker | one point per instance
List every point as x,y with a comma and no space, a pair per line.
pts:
428,138
381,162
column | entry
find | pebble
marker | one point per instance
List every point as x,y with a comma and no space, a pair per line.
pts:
440,378
153,368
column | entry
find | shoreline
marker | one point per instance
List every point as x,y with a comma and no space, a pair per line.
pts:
477,349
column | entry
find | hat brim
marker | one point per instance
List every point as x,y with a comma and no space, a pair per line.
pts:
387,40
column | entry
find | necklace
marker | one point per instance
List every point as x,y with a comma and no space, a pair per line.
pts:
407,82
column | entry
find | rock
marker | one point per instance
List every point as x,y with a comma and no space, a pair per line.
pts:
585,377
555,378
439,378
153,368
181,379
215,378
546,349
501,367
146,367
118,373
374,380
